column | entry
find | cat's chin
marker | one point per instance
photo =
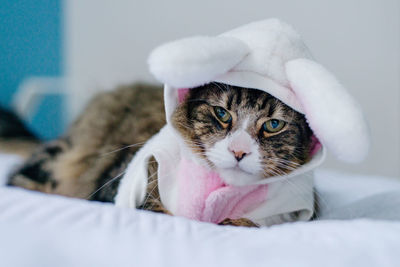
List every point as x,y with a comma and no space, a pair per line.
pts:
238,177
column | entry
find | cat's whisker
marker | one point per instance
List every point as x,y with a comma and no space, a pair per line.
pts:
288,166
149,194
195,144
318,195
125,147
296,189
151,182
273,172
106,184
285,161
184,125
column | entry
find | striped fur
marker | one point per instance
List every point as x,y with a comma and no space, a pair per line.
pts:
281,152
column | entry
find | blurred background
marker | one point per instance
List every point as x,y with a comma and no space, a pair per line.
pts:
54,55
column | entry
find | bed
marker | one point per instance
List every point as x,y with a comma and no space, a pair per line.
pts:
358,225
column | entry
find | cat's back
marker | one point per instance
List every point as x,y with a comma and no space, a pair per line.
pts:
126,114
98,146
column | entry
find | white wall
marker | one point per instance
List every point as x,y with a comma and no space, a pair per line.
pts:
107,43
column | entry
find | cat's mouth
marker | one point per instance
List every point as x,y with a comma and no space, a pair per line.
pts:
235,168
237,176
238,168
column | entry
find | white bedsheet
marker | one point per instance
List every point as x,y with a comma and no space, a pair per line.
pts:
44,230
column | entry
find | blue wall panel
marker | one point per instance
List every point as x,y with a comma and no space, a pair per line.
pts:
48,121
30,44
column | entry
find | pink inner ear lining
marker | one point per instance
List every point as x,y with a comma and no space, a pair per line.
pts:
182,92
315,145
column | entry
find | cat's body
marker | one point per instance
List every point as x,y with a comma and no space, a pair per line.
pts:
90,159
97,147
15,138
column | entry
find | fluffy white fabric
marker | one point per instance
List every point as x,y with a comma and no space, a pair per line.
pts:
47,230
267,55
333,115
195,61
272,43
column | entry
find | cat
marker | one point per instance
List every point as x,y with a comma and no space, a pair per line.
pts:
90,159
90,153
15,137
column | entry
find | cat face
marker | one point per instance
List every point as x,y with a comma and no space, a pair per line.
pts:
246,135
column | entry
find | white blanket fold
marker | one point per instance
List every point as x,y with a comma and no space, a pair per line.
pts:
42,230
47,230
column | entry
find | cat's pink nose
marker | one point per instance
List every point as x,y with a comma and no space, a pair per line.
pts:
239,155
240,144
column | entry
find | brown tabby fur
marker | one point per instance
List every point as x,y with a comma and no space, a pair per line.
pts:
90,153
90,159
282,152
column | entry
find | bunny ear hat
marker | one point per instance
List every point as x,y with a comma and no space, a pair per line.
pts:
266,55
270,56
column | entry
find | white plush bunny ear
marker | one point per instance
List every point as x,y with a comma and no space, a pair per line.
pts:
195,61
331,112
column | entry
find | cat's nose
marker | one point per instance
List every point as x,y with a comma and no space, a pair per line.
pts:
240,144
239,155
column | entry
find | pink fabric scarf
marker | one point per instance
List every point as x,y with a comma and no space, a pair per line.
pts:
205,197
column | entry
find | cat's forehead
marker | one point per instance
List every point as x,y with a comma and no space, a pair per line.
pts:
246,102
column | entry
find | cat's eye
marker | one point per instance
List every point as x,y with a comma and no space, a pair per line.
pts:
273,126
222,114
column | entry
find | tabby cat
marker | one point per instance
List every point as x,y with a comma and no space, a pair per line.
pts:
15,138
89,160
